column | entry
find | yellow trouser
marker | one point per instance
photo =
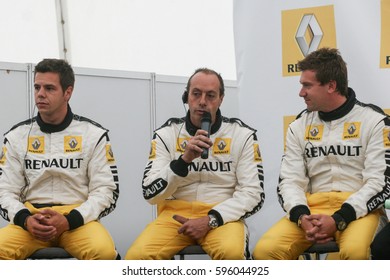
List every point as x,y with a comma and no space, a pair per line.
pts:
90,241
286,241
160,239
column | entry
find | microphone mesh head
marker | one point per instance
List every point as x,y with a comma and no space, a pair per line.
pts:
206,117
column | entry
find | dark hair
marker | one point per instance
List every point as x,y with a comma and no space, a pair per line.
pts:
59,66
329,66
208,71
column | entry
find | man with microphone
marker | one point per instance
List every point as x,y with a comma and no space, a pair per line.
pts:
205,175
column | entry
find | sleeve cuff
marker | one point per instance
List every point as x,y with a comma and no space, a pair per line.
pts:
21,217
297,211
75,219
347,212
180,167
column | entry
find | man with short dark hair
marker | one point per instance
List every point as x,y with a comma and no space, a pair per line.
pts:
333,179
57,175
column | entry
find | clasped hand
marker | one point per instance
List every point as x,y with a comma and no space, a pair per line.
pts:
319,228
47,225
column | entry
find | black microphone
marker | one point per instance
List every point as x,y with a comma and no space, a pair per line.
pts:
205,125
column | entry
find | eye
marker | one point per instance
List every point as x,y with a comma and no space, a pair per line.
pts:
211,95
49,88
196,93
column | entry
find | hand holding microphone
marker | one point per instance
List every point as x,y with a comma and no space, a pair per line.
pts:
199,144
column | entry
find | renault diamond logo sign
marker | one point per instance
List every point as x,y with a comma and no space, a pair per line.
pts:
304,31
309,34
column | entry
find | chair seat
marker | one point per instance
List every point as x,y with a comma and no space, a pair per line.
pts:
318,249
191,250
50,253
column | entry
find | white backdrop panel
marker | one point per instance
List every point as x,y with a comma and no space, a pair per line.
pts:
120,102
14,98
266,97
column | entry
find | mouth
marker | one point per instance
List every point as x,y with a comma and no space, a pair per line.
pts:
200,112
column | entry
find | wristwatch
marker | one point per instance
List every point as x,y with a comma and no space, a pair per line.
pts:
213,223
299,222
341,224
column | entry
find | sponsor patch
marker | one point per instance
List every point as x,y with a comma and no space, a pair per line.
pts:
73,144
36,144
386,137
3,157
351,130
181,144
314,132
109,153
152,153
257,154
222,146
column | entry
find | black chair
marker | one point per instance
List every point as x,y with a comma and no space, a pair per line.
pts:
191,250
319,249
50,253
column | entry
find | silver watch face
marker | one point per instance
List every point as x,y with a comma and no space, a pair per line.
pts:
213,223
341,225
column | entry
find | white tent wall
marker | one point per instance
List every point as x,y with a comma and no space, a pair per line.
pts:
170,37
131,105
266,97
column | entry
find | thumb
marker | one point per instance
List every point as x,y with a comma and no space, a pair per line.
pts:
48,213
180,219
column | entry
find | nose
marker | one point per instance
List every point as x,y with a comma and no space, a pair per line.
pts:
302,92
202,100
40,92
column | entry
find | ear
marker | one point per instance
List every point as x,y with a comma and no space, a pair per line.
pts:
332,86
68,93
221,99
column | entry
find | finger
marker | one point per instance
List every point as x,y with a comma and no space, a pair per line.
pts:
316,222
312,216
201,132
48,212
45,235
310,238
180,230
180,219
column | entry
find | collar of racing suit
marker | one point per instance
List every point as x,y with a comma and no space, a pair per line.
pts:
51,128
342,110
214,128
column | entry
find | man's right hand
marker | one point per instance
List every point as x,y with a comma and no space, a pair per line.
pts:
35,225
196,145
194,228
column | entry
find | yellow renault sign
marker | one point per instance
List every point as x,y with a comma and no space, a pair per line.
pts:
304,31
